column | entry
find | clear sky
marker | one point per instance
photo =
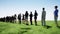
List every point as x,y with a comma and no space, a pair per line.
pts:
11,7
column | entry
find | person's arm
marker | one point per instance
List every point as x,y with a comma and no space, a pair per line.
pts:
45,14
37,14
42,15
57,12
32,15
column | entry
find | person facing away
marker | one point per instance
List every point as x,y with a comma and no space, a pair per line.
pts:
19,18
26,17
31,15
43,17
56,15
35,17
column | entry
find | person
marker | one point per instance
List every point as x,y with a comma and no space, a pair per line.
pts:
43,17
31,15
23,19
56,15
7,19
35,17
14,18
26,17
19,18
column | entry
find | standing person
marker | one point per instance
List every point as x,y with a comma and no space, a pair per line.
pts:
31,15
43,17
56,15
19,18
35,17
14,18
26,17
23,18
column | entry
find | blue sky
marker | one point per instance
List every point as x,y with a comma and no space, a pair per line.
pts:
11,7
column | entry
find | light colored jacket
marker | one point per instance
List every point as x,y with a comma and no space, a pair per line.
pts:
43,14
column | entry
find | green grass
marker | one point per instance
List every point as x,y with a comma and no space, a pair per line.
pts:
10,28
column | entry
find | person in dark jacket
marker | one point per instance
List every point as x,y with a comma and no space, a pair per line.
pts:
19,18
35,17
26,17
31,15
23,19
56,15
14,18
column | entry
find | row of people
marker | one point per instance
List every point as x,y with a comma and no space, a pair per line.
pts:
43,17
11,19
25,17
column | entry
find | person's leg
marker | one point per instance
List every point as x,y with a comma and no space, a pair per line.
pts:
27,21
44,23
35,22
23,21
20,21
55,18
30,22
15,21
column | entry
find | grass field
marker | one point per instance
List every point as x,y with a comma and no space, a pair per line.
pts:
10,28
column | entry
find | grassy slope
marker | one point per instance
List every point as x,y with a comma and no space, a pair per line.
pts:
10,28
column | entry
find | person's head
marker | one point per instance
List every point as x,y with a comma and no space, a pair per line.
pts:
23,14
35,11
31,12
43,9
15,15
20,13
26,11
56,7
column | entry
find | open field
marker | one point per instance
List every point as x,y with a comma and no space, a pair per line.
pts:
10,28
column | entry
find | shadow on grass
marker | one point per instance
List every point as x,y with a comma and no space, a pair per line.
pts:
47,27
58,26
24,30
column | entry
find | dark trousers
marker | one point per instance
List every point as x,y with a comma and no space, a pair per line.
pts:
31,21
35,21
19,21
